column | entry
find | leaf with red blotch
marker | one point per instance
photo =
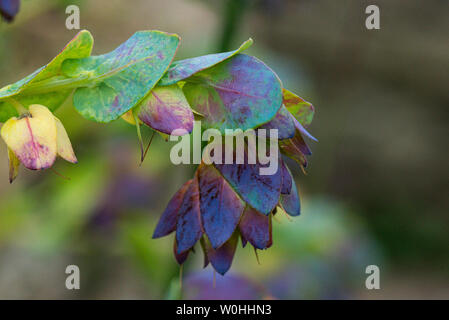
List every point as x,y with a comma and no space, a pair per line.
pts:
256,228
189,228
168,219
221,207
221,258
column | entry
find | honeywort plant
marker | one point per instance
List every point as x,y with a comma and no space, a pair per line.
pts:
139,82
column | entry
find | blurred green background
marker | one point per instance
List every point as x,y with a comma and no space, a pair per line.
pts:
376,190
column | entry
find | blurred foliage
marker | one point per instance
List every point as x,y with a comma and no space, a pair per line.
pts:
376,189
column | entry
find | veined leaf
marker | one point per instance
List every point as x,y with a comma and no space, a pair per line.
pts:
123,77
166,109
221,207
302,110
260,191
256,228
283,122
239,93
182,69
79,47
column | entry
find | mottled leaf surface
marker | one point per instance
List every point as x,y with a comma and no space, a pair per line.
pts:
221,258
290,202
259,191
182,69
188,228
239,93
78,47
166,109
122,77
287,179
283,122
169,218
296,148
221,207
255,227
302,110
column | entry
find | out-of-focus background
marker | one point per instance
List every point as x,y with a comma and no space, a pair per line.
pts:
376,190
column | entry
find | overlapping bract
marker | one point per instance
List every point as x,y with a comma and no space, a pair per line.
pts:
139,82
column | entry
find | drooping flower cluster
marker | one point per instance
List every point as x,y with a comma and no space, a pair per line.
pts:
139,82
225,202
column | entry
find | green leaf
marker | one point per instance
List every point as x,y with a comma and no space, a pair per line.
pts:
302,110
122,78
239,93
182,69
79,47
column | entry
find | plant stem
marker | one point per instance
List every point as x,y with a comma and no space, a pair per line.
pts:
21,110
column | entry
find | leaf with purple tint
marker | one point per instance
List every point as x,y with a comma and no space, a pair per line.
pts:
290,202
26,91
256,228
188,228
221,258
166,109
168,219
302,110
283,122
180,257
239,93
286,178
259,191
9,9
296,148
221,207
120,79
182,69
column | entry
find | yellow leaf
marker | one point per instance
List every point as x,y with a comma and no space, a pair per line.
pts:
32,138
64,146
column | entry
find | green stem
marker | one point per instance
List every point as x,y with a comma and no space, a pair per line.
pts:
139,136
21,110
55,84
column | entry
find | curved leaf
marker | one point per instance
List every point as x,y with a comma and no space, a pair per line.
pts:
296,148
182,69
221,258
283,122
256,228
290,202
302,110
167,221
166,109
239,93
79,47
287,179
221,207
188,228
122,77
260,191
